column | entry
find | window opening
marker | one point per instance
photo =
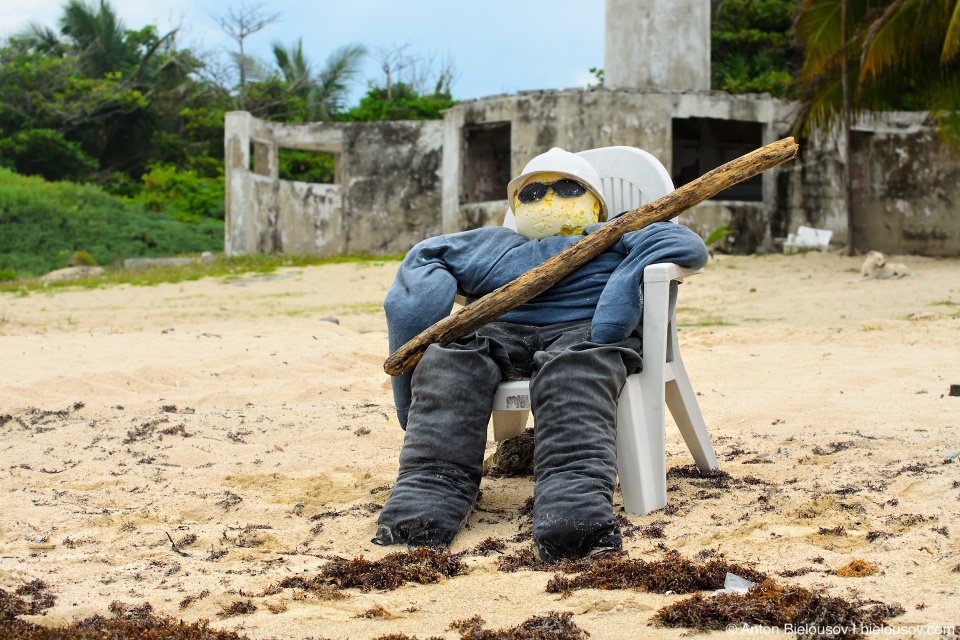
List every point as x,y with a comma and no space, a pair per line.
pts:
702,144
308,166
486,159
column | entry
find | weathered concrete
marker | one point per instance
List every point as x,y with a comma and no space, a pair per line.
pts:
385,197
661,45
389,193
578,120
905,185
905,188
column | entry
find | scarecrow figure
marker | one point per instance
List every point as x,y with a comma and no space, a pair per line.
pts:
576,342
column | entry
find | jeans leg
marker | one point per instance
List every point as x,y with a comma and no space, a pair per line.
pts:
574,392
442,456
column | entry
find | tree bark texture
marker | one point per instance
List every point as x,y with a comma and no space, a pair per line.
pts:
537,280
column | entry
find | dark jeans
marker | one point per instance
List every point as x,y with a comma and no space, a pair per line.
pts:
574,385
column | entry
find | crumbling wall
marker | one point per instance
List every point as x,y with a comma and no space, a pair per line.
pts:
385,199
401,182
904,182
577,120
905,189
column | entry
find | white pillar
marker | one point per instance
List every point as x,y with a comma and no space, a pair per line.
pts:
657,44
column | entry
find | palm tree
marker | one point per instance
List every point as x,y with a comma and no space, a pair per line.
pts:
323,92
878,55
901,54
100,40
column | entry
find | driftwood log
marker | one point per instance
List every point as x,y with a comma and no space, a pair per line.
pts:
537,280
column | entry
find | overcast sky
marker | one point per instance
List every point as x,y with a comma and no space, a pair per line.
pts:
498,46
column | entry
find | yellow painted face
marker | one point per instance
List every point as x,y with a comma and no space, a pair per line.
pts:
553,215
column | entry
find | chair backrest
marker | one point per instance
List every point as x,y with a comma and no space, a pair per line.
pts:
631,178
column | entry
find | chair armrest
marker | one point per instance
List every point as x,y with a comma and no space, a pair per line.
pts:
667,271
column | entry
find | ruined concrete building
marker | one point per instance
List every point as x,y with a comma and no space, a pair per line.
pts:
399,182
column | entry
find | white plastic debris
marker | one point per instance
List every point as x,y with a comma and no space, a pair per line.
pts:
733,583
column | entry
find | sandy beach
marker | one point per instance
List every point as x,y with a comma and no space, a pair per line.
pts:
236,419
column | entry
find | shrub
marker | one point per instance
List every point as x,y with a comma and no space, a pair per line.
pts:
43,223
183,194
81,259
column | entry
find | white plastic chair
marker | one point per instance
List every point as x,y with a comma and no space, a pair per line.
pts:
631,178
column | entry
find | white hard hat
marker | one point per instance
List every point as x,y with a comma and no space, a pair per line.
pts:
567,164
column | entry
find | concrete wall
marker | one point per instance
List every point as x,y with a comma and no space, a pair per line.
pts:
385,199
657,45
905,183
905,188
400,182
579,120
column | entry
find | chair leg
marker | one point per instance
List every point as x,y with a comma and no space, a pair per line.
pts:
641,450
509,424
682,401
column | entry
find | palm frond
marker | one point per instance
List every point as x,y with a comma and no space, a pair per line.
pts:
951,42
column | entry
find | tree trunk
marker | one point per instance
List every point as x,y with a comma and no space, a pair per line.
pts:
537,280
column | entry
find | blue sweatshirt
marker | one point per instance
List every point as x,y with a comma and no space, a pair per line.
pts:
605,289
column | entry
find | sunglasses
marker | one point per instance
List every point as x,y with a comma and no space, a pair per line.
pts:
565,188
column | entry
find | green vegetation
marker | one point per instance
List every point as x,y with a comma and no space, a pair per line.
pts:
135,115
220,266
45,223
751,48
899,54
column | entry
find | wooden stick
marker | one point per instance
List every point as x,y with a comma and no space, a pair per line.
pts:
539,279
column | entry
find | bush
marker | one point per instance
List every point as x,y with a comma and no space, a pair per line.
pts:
183,194
43,223
81,259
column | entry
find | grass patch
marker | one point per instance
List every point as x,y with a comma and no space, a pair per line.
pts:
45,223
229,268
945,303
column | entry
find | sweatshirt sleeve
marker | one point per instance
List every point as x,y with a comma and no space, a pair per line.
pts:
421,295
619,308
426,283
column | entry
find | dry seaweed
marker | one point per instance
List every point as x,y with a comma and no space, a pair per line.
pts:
38,598
376,613
672,573
237,608
129,623
513,457
553,626
795,609
186,602
423,566
834,448
832,531
857,569
526,559
316,585
488,546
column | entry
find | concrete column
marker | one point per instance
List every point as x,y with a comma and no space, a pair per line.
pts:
238,198
657,44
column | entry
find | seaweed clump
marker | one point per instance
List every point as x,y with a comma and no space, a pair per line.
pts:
423,566
129,623
672,573
795,609
14,604
553,626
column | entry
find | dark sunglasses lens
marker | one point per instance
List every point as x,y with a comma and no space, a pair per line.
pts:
563,188
532,192
568,188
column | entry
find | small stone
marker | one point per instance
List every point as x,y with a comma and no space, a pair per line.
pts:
330,319
955,390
